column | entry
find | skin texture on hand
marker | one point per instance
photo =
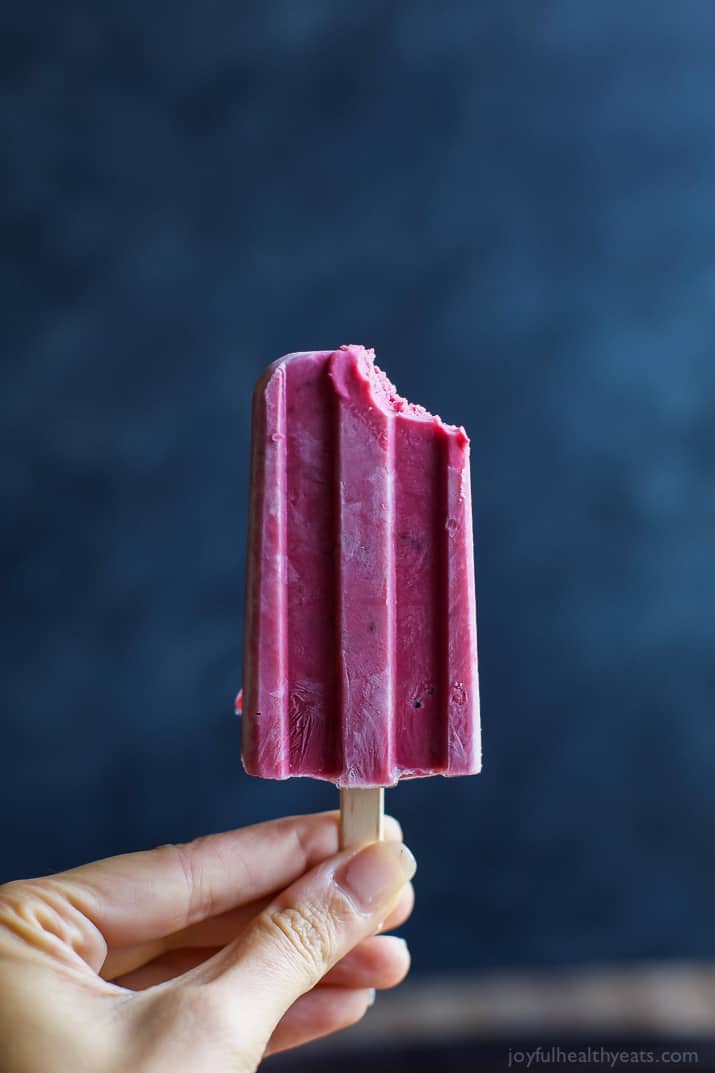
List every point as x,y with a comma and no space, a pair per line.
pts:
200,957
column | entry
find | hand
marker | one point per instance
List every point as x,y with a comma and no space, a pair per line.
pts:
200,958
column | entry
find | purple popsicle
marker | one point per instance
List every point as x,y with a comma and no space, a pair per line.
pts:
360,660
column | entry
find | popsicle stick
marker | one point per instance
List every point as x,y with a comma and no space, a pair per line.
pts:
361,816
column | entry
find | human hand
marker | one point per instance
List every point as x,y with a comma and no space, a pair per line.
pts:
203,957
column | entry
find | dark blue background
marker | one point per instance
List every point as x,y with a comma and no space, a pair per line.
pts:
513,202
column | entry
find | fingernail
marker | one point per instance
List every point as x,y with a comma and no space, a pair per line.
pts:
371,997
376,873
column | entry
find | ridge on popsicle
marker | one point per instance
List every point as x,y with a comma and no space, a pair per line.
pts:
360,659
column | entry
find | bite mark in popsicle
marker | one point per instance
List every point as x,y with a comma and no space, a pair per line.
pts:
360,662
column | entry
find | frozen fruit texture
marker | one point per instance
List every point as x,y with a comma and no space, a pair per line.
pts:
360,662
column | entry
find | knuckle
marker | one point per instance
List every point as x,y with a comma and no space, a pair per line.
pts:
310,935
199,901
32,912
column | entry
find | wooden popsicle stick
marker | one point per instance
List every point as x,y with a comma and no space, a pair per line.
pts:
361,816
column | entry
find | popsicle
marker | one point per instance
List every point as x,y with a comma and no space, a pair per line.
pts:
360,658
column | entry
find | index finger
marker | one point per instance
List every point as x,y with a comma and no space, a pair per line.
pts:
143,896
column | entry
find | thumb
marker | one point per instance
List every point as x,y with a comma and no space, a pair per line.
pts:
290,946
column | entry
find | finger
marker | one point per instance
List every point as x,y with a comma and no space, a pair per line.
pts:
402,911
143,896
218,932
291,945
177,885
380,962
166,967
152,963
140,897
224,927
317,1014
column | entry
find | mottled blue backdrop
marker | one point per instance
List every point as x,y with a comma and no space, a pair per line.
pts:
513,202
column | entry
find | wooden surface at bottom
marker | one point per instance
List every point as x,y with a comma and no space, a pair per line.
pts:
471,1023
